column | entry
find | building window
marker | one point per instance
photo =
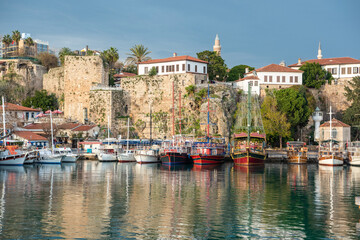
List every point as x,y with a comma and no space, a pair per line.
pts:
342,70
355,70
291,79
334,71
255,83
183,67
251,83
349,70
265,78
146,70
162,68
296,79
157,69
270,78
177,67
195,68
188,67
278,78
283,79
173,68
334,133
204,69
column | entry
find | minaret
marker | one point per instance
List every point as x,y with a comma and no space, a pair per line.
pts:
319,56
217,47
317,117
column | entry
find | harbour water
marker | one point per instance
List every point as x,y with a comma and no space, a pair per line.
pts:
94,200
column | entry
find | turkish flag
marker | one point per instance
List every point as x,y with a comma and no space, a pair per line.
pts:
12,42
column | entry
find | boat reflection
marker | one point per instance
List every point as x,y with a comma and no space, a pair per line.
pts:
297,175
254,169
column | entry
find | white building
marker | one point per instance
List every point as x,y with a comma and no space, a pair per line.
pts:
174,65
271,76
340,68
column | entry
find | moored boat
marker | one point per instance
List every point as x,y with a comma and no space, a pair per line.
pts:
107,155
68,155
208,153
127,156
353,153
31,156
48,157
176,151
147,156
8,156
296,152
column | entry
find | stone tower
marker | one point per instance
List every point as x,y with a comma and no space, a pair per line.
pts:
217,47
319,56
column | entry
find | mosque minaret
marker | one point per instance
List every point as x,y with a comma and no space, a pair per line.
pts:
217,46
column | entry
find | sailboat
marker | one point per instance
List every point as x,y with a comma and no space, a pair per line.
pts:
176,151
8,155
107,153
329,151
249,146
128,155
212,151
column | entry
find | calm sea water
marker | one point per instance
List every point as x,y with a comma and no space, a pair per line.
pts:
93,200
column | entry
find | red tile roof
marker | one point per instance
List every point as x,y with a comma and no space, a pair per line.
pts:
334,123
329,61
251,77
124,74
15,107
37,126
68,125
172,59
30,136
83,128
276,68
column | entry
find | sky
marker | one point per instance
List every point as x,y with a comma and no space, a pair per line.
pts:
252,32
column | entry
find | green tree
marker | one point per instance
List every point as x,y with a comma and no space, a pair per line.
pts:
16,36
314,75
274,121
6,41
138,53
237,72
216,68
295,105
48,60
42,100
65,52
29,42
351,115
152,71
110,56
130,69
11,89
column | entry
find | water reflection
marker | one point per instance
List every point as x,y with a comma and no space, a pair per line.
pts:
109,200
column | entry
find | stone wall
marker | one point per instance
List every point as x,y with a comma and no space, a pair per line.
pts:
54,81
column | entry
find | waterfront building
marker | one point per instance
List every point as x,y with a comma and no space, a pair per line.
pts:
272,76
341,68
341,132
30,139
174,65
19,115
217,46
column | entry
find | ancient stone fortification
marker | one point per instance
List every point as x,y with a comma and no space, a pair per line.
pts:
30,75
72,83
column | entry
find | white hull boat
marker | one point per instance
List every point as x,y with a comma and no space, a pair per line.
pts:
127,156
331,161
147,156
107,157
8,159
31,157
47,157
69,156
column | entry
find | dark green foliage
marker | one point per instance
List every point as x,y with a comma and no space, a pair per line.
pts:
314,76
42,100
11,90
130,69
65,52
152,72
48,60
351,115
216,67
237,72
190,90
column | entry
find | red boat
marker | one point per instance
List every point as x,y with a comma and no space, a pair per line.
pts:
208,153
249,152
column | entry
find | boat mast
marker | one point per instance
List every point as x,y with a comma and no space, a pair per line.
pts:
150,124
249,114
208,114
52,134
3,108
330,130
180,113
127,142
173,110
108,128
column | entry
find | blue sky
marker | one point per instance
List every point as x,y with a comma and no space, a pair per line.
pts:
253,32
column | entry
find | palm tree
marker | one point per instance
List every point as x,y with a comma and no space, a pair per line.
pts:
110,56
65,52
29,42
138,54
6,41
16,36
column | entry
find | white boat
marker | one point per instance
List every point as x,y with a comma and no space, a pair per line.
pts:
9,156
147,156
47,156
69,156
354,153
107,155
128,155
31,156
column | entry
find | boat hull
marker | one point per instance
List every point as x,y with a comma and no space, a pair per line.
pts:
104,157
126,157
297,160
49,160
354,161
12,160
331,161
248,158
174,158
143,158
70,159
200,159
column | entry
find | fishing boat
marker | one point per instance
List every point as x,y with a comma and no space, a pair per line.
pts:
176,152
147,156
128,155
249,146
212,150
330,153
353,153
107,152
68,155
31,156
297,152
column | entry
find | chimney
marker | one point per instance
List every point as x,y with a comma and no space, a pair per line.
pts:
174,54
283,63
87,48
246,70
299,61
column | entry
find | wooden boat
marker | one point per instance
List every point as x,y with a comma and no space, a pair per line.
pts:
176,152
353,153
249,146
297,152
